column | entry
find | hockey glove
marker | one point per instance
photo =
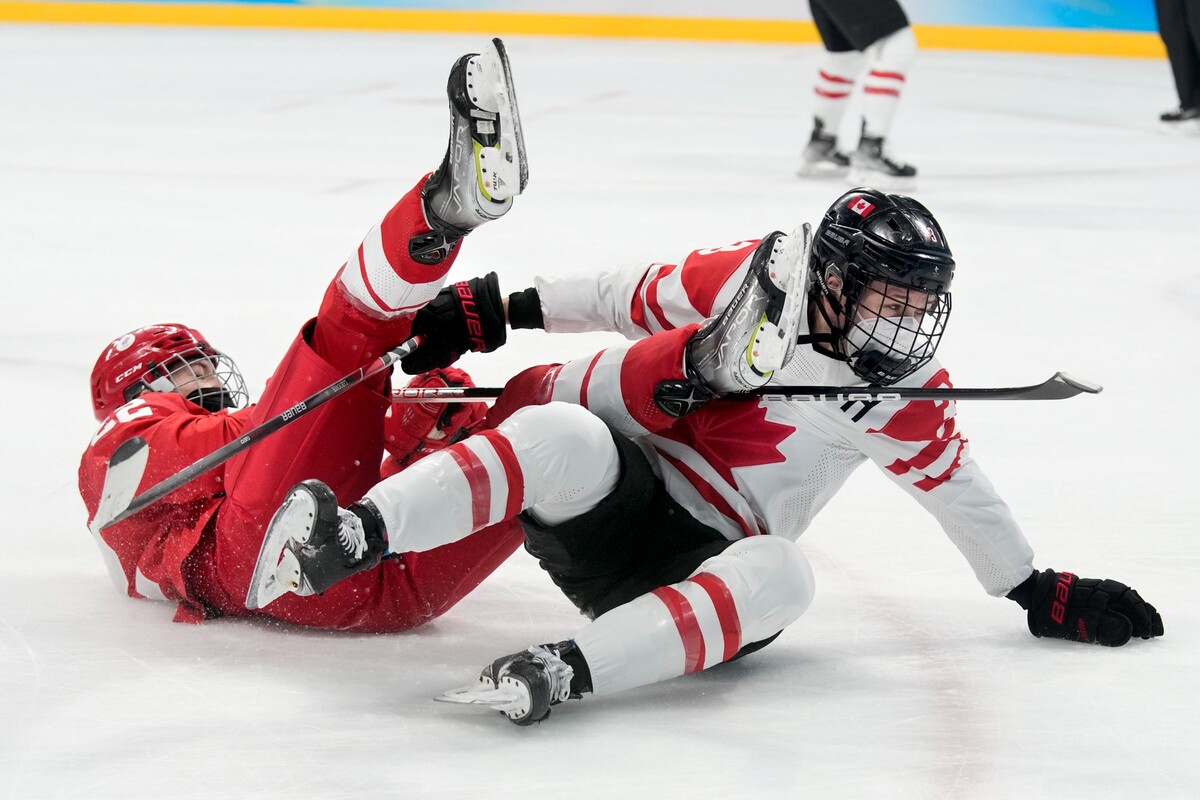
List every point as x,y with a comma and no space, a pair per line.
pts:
1063,606
466,316
414,430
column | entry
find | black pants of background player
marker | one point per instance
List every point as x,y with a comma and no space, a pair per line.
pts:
1179,27
635,541
846,25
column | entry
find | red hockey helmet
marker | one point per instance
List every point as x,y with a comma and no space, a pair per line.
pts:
165,358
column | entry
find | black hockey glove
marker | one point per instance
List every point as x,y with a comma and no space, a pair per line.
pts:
1107,612
466,316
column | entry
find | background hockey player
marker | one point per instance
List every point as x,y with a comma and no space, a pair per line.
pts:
867,43
653,524
167,384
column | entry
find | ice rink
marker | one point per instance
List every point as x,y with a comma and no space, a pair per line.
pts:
220,177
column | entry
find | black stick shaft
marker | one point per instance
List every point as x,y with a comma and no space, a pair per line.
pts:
1058,387
222,454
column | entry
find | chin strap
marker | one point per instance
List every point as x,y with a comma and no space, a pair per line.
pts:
213,399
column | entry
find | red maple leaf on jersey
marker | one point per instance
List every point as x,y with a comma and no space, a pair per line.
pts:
731,434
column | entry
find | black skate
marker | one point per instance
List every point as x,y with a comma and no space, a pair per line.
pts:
1181,120
522,686
821,157
872,166
484,166
311,544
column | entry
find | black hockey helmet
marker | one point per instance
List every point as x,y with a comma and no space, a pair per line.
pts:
883,264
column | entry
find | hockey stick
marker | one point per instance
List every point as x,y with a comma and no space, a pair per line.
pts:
1058,387
120,507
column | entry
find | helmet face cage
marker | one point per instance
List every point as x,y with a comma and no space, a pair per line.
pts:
890,330
893,270
165,358
206,377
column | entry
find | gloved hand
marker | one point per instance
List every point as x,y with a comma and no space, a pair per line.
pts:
414,430
1107,612
468,315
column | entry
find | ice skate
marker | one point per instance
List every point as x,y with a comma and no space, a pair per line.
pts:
756,333
311,544
484,167
871,165
1184,121
522,686
821,158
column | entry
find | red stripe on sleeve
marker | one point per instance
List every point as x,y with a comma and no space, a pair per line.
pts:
512,472
722,600
587,379
685,622
652,297
477,481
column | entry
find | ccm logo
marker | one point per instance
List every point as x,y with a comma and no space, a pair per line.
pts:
1062,590
131,371
474,324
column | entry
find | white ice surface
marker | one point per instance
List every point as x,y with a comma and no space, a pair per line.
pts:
220,177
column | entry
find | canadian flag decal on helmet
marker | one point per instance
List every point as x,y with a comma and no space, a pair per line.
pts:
861,207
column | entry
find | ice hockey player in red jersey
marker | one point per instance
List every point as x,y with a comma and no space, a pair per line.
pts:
168,384
645,491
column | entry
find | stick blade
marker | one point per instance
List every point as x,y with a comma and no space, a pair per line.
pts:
121,480
1061,386
1081,386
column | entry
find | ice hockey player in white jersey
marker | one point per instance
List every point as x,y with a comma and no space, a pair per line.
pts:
649,508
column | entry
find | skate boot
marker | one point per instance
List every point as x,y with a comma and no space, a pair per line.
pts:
872,166
740,349
1181,120
821,157
484,166
525,685
311,544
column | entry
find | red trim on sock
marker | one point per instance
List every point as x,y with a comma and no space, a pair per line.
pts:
832,95
478,481
722,600
895,76
685,622
512,472
879,90
834,78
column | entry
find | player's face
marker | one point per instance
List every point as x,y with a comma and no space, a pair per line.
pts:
191,376
880,299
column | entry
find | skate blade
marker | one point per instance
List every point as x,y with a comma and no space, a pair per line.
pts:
776,341
512,175
880,180
822,170
265,586
500,698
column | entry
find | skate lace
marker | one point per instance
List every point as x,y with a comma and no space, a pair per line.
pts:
559,671
351,536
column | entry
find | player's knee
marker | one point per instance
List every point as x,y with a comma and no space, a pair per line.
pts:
894,51
771,581
567,456
572,427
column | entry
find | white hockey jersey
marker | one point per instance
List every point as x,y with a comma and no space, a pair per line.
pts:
746,468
